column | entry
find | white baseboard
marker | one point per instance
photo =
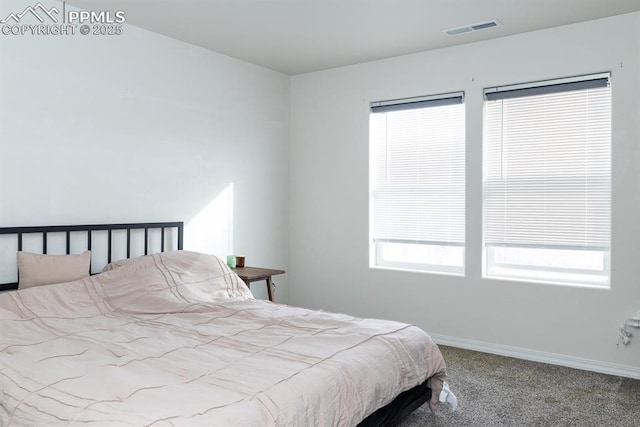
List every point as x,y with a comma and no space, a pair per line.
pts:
540,356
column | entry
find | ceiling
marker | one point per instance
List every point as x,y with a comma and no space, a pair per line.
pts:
300,36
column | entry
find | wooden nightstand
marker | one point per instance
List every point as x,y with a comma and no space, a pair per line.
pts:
255,274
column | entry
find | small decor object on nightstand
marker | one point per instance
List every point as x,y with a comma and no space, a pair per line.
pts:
239,260
231,261
254,274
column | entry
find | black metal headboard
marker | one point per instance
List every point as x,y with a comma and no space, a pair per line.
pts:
19,232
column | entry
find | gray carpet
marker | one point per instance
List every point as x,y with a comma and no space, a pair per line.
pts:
502,391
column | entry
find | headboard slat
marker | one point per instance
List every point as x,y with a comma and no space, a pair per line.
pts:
128,243
109,247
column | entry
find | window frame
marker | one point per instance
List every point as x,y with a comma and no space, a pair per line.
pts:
376,257
599,277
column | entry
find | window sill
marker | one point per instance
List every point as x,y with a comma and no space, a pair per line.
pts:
417,270
596,286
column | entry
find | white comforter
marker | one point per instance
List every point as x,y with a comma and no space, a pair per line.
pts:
176,339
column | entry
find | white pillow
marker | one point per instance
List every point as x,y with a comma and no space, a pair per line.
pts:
37,269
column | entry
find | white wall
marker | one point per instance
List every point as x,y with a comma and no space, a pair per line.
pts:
141,127
329,199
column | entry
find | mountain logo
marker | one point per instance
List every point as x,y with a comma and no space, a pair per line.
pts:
38,11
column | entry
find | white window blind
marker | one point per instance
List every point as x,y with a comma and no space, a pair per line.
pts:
417,183
548,180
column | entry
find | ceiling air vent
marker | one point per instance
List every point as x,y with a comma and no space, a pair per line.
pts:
474,27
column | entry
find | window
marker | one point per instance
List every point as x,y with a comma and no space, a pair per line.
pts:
547,184
417,184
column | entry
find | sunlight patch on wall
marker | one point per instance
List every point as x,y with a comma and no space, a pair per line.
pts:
211,230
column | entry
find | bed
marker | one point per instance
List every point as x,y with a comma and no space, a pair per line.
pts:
163,336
